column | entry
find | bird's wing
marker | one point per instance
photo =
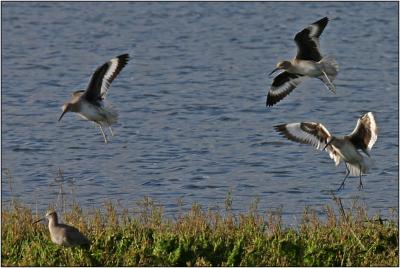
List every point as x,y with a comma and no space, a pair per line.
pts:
311,133
307,41
73,236
365,133
103,76
78,93
283,84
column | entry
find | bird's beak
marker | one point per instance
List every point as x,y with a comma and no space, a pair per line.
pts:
327,145
273,71
62,115
38,221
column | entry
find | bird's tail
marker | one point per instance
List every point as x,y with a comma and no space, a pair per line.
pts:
111,115
330,67
364,167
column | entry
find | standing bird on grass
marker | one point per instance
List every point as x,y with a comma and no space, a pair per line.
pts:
353,149
89,103
307,63
62,234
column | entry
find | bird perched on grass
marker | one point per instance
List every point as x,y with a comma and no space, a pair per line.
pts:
63,234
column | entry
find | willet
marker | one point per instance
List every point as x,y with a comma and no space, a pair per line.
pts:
352,149
307,63
62,234
89,103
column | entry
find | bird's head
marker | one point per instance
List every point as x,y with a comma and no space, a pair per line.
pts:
51,215
282,65
67,107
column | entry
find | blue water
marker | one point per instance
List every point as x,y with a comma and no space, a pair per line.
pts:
193,122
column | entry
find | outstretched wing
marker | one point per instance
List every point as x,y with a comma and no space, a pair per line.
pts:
307,41
311,133
365,133
283,84
103,77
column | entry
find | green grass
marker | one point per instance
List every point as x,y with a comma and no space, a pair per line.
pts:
202,237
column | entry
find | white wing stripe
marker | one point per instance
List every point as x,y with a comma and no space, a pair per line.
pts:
110,71
355,130
295,130
335,157
313,30
369,124
373,130
286,86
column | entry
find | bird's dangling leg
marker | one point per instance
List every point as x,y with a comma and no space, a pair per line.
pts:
104,135
328,82
360,186
347,174
112,133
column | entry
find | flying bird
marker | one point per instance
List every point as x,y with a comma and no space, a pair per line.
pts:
89,103
308,63
352,149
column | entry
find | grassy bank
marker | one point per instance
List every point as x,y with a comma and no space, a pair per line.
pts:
202,238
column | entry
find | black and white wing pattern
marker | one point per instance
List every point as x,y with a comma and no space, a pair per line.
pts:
307,41
283,84
365,133
103,77
311,133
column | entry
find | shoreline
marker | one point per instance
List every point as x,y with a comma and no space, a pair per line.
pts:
201,237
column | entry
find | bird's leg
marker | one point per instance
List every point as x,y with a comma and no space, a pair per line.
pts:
112,133
347,174
360,186
104,135
328,82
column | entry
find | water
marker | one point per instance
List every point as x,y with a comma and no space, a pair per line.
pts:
193,122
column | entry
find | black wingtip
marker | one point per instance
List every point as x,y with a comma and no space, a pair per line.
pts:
271,101
123,60
322,22
280,127
124,57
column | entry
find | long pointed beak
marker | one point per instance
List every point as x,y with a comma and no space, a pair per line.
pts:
273,71
37,221
62,115
326,145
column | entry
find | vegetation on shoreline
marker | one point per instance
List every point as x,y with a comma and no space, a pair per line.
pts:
202,237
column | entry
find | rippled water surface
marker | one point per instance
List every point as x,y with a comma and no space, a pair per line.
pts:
193,122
